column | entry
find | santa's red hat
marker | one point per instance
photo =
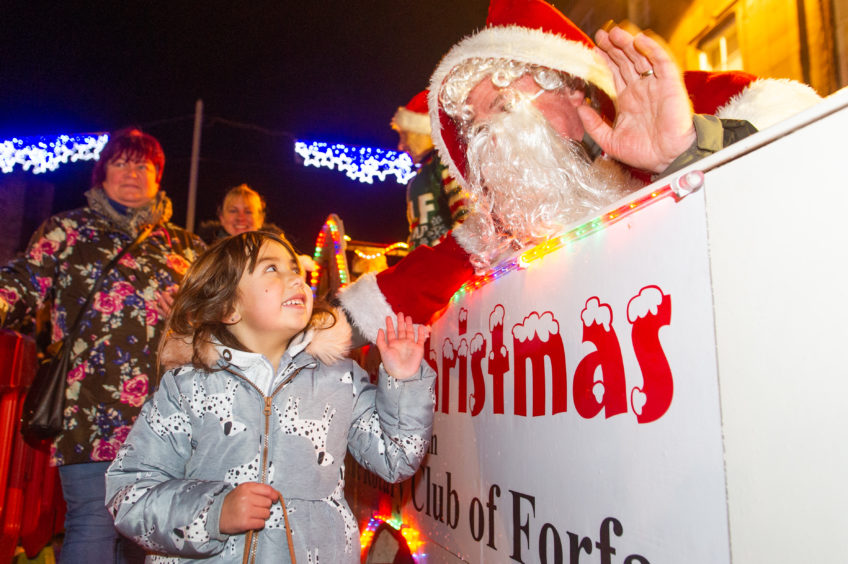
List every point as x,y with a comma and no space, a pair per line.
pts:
413,117
525,31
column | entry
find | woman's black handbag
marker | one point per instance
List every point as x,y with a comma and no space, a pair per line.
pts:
44,406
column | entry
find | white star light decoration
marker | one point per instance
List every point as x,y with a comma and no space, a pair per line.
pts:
363,164
42,154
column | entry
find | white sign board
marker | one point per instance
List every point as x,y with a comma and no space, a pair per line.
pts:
578,408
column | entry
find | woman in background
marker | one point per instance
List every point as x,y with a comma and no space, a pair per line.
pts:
243,209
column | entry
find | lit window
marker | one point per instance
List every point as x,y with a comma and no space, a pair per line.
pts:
719,49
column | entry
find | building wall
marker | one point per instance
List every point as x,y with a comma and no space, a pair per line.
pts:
840,33
804,40
25,202
821,41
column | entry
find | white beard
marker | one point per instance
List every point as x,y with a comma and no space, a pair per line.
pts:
527,182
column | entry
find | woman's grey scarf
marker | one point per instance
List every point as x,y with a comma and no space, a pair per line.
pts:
156,212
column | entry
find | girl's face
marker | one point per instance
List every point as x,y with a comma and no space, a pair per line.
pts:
240,214
274,302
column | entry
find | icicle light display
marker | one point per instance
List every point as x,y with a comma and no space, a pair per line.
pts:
42,154
363,164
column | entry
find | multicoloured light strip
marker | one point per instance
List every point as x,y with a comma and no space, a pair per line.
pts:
42,154
331,226
363,164
681,187
410,534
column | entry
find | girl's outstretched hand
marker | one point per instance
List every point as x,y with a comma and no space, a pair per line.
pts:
400,350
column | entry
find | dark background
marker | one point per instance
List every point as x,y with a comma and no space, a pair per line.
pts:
313,70
267,72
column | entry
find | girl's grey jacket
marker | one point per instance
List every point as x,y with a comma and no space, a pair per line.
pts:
204,432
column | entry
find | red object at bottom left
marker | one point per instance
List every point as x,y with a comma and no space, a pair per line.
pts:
32,509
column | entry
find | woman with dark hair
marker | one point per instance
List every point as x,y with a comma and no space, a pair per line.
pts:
113,360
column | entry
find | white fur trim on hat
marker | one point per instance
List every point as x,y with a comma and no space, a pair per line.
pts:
767,101
366,306
410,121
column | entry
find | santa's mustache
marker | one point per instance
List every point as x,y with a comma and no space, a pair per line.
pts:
527,182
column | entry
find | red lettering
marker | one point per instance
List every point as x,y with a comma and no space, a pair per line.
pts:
478,353
463,320
498,358
538,348
648,312
610,391
462,361
535,339
448,362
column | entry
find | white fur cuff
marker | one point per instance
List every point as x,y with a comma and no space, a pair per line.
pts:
366,306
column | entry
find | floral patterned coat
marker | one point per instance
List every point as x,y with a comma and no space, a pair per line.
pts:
115,351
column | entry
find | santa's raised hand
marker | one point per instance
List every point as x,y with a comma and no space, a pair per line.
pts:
653,125
400,350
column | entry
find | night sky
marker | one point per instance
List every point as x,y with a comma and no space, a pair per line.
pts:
266,70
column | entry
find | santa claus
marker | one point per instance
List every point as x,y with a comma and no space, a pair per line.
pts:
542,126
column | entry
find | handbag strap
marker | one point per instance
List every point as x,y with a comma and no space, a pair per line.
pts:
71,335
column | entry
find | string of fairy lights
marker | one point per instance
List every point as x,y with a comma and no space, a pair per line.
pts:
381,252
362,164
334,255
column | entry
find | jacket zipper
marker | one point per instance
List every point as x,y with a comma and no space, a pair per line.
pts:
252,539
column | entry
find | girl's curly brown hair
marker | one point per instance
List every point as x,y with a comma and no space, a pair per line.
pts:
209,291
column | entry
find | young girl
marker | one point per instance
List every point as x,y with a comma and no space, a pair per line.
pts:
239,455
